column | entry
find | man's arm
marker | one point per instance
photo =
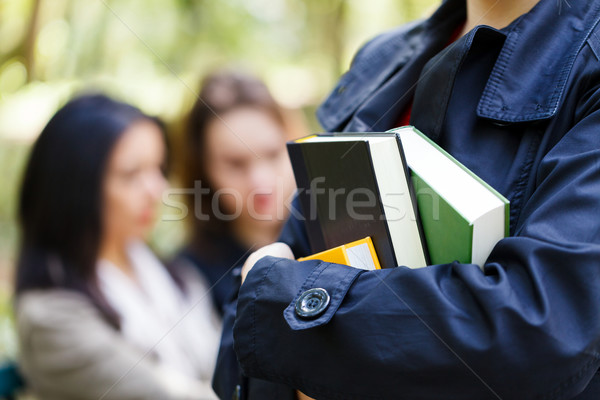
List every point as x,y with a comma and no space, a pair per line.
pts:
527,326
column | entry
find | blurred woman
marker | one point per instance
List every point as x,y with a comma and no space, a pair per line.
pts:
98,315
234,157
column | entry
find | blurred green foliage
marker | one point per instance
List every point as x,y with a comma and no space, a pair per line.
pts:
152,53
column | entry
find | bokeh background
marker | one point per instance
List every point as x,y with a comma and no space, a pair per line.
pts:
153,53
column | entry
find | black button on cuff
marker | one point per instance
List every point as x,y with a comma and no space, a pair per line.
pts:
312,303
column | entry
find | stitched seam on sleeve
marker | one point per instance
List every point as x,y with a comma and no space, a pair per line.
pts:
344,286
312,278
570,381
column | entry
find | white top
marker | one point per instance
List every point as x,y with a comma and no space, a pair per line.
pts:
181,329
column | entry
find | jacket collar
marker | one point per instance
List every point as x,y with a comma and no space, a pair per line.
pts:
381,59
513,93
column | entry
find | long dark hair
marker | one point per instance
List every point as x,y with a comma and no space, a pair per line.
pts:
60,205
220,92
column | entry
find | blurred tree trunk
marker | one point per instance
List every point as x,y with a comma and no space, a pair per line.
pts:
338,32
30,39
25,50
327,19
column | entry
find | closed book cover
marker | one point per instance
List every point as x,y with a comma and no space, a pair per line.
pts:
351,187
358,254
462,216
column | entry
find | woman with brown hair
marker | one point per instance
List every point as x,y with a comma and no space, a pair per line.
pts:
99,316
234,157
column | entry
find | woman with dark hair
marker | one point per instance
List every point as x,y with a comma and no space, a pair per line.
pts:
235,159
98,315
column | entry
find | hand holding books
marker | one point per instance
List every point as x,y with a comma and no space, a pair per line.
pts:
277,249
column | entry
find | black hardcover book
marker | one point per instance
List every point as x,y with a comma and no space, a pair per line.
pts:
354,185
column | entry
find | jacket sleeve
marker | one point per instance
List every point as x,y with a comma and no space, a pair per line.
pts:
527,326
228,380
67,351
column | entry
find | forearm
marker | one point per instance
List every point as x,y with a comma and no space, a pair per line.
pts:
399,328
530,318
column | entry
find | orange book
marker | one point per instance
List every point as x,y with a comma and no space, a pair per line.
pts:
358,254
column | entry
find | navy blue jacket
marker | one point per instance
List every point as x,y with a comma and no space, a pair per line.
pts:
521,108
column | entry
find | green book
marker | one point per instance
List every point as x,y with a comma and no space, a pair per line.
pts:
462,216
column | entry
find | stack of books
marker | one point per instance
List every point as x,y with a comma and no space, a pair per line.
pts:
418,205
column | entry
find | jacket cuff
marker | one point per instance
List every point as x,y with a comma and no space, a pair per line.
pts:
271,287
335,279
